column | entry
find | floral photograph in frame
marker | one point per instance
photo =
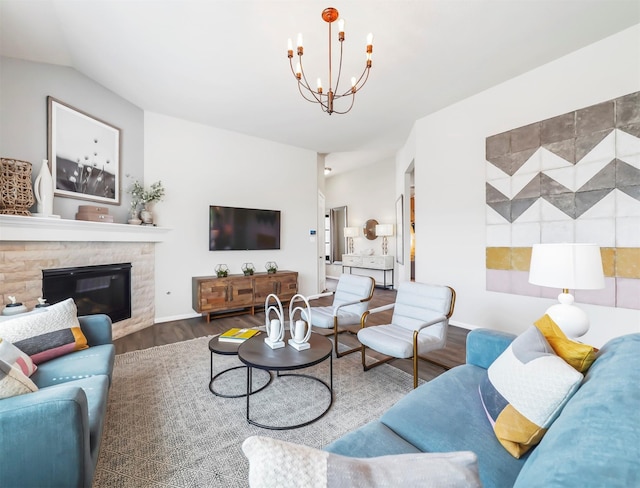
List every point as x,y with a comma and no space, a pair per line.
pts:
84,154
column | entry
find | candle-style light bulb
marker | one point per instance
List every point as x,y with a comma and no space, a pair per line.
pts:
300,40
370,39
353,84
289,45
298,70
340,25
319,85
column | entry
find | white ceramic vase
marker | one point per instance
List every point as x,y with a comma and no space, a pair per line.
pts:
146,214
43,189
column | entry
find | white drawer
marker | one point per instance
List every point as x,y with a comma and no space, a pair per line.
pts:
362,261
351,260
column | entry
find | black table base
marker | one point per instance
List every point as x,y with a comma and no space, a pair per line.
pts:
302,424
222,395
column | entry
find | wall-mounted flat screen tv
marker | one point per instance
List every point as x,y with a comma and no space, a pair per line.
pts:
240,229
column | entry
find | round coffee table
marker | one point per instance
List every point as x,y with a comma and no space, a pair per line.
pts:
229,349
254,353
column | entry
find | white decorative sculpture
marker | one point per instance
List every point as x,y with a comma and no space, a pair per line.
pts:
43,190
274,327
300,330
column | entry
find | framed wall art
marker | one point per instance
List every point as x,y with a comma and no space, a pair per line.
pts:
84,154
399,230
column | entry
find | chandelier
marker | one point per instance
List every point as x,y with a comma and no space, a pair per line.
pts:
326,100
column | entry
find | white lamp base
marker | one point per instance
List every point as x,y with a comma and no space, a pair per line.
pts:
299,346
573,321
274,345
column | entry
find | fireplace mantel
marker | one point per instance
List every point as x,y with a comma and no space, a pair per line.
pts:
21,228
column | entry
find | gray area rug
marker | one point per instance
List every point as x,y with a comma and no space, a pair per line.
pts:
164,428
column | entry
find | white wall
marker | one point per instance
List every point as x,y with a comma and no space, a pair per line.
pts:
449,149
369,193
201,166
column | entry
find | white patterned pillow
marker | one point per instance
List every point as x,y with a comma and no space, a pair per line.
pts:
10,354
525,390
48,334
278,464
14,382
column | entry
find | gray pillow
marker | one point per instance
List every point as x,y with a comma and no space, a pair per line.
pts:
279,464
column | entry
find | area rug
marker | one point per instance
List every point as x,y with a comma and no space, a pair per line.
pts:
164,428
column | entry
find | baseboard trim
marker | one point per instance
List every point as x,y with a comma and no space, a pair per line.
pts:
160,320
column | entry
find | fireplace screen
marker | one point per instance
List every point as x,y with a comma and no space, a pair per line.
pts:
95,289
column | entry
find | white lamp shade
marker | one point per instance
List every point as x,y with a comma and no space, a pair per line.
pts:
384,230
567,266
351,231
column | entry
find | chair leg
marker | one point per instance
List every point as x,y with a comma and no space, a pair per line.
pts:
367,367
335,343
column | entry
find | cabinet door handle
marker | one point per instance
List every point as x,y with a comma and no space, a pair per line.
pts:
230,294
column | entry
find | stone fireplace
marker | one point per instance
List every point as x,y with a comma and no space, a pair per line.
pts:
29,245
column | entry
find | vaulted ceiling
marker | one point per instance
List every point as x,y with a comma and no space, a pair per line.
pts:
223,62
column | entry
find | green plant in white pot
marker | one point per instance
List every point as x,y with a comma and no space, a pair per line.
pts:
147,198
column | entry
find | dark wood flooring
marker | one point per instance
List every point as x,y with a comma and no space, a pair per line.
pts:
181,330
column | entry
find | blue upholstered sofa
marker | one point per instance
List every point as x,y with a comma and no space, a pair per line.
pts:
594,442
51,437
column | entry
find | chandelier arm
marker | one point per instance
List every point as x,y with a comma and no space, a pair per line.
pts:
293,71
365,75
315,99
350,91
306,82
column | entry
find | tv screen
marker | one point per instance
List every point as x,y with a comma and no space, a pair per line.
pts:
234,229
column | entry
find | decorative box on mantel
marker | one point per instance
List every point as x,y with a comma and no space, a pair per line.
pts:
21,228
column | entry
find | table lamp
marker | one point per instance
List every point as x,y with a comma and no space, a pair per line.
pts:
567,266
384,230
350,233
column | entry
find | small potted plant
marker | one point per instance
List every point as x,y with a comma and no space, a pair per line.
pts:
271,267
145,197
222,271
248,269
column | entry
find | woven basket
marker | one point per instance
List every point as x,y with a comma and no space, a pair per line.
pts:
16,193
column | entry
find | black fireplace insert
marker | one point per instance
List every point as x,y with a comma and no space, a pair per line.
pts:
105,288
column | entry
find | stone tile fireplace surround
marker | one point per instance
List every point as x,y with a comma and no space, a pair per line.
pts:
30,244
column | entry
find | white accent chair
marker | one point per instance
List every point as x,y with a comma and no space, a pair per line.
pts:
419,324
350,303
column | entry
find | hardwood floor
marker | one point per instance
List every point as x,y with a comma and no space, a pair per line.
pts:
181,330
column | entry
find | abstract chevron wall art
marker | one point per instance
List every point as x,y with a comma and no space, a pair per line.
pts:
571,178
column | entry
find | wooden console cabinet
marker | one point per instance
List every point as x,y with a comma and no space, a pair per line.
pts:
236,294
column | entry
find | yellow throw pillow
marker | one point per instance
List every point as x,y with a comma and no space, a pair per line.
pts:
579,356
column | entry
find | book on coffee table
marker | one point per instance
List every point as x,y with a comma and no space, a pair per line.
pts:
237,335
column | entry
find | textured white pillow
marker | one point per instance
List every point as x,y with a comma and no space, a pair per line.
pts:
14,382
279,464
15,357
48,334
